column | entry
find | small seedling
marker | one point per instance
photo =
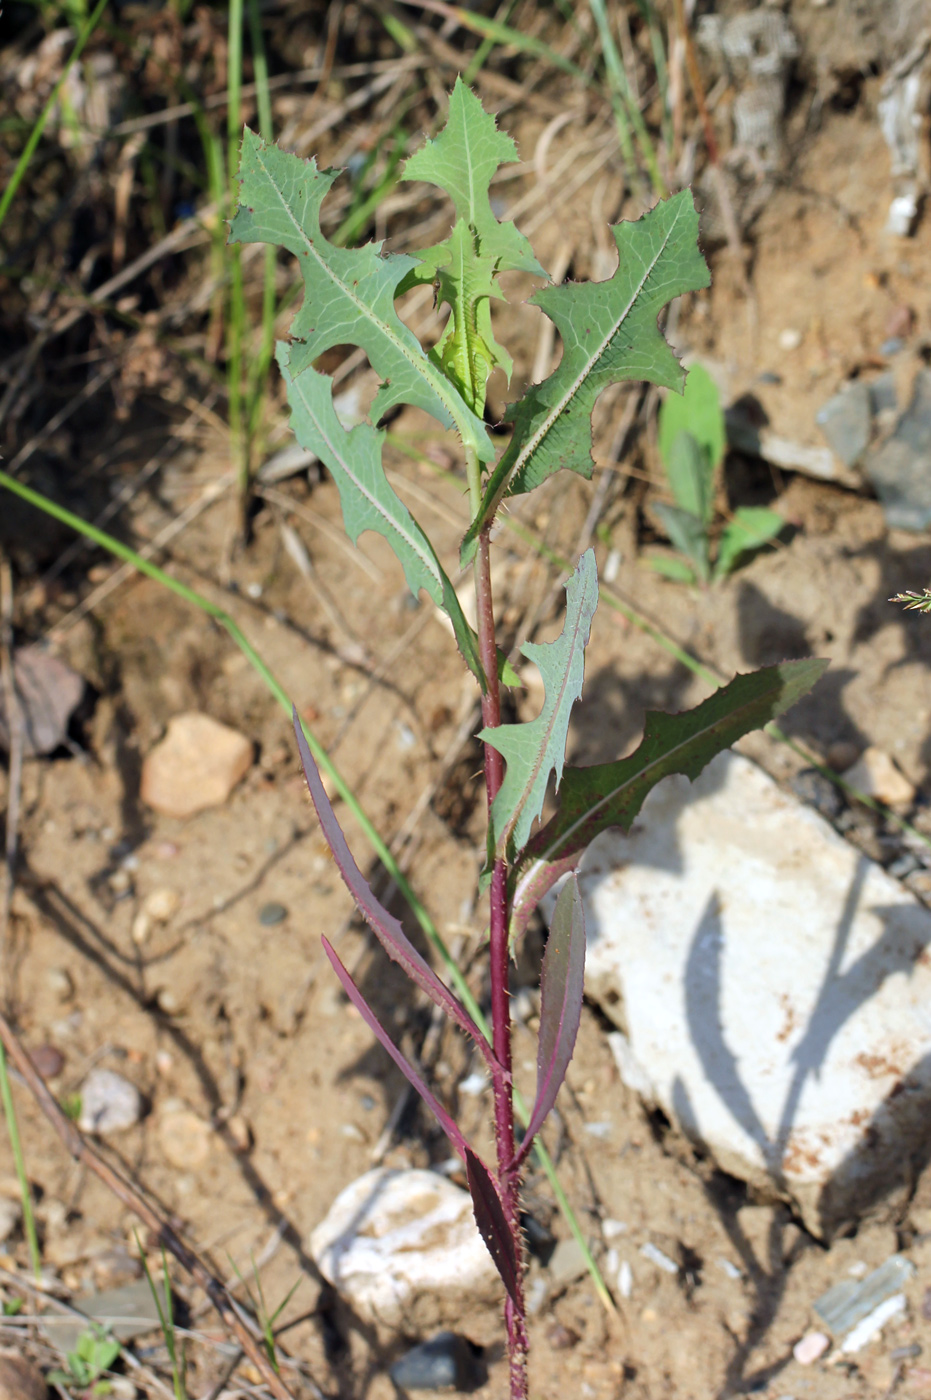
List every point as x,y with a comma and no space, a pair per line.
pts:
692,443
166,1320
609,333
94,1354
266,1320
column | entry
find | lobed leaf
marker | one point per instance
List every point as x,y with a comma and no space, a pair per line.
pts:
462,160
561,987
385,927
349,293
492,1224
407,1069
611,794
537,748
609,333
368,500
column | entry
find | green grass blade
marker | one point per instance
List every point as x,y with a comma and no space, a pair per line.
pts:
29,1219
35,136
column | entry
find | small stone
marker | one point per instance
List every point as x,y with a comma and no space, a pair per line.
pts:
141,928
20,1379
908,1353
48,692
790,338
876,775
121,882
656,1256
625,1279
898,468
403,1249
567,1263
11,1213
239,1132
114,1267
892,346
842,755
196,766
811,1346
272,914
819,792
59,982
47,1060
184,1139
845,421
164,1062
161,905
445,1362
169,1002
109,1103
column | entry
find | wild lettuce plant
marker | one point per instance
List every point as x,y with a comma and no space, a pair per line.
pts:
609,332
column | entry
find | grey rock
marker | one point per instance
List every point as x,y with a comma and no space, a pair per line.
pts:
900,469
445,1362
272,914
819,792
48,692
883,397
109,1103
127,1312
845,421
851,1300
892,346
567,1263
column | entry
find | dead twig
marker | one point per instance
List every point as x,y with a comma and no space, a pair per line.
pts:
233,1317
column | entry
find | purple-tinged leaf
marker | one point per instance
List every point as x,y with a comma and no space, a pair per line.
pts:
611,794
492,1224
371,1020
385,927
561,988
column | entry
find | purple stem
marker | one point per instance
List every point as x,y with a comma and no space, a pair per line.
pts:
508,1177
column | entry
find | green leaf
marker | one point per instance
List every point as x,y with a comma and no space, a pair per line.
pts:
462,161
675,569
697,411
750,528
609,333
536,748
691,476
467,350
349,293
368,501
611,794
689,535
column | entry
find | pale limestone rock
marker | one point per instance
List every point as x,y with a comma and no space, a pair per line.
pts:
195,766
772,987
875,774
402,1248
109,1103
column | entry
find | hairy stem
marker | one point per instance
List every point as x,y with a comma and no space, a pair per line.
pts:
508,1179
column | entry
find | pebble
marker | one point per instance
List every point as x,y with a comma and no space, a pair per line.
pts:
846,421
161,905
49,692
898,468
445,1362
625,1279
20,1379
842,755
562,1338
184,1139
195,766
60,984
657,1257
819,792
47,1060
811,1346
892,346
169,1002
109,1103
612,1229
876,775
567,1263
11,1213
272,914
239,1132
790,338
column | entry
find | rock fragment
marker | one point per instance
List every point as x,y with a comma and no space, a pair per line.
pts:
184,1139
20,1379
445,1362
403,1249
195,766
109,1103
49,692
810,1347
875,774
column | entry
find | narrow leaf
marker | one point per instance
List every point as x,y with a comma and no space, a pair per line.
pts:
751,528
407,1069
368,500
611,794
537,748
609,333
385,927
349,293
561,988
689,535
696,410
691,475
492,1224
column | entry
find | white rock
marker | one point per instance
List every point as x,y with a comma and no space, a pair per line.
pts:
184,1139
402,1247
871,1326
195,766
773,985
625,1279
109,1103
875,774
810,1347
